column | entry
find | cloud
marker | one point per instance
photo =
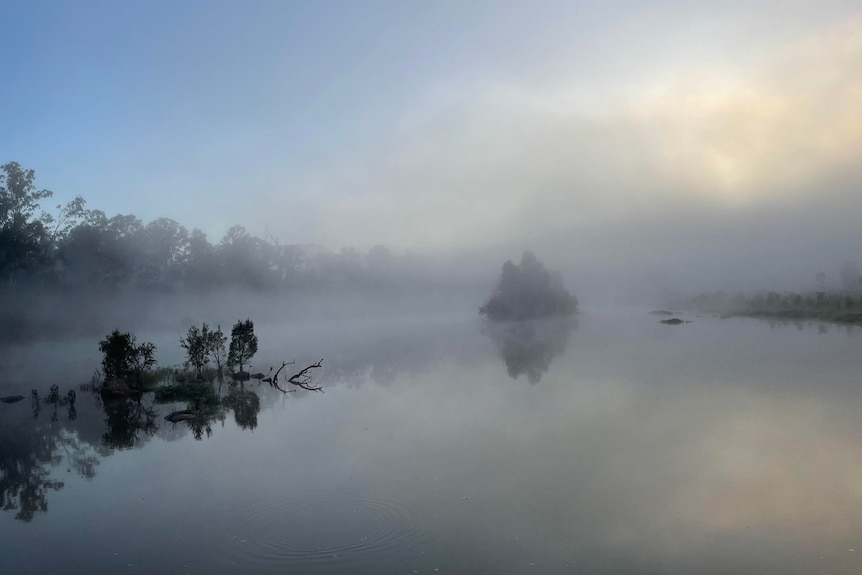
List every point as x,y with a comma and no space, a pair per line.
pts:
763,129
474,166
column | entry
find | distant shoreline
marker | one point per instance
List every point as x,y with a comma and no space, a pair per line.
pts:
801,315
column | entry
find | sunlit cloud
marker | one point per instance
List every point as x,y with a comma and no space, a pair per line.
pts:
500,160
764,128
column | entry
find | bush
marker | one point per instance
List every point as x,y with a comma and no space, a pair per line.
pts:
123,358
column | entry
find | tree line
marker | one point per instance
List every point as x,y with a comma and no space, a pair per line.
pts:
72,246
835,306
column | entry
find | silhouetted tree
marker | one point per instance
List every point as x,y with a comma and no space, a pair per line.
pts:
23,237
215,341
122,357
67,218
243,343
196,345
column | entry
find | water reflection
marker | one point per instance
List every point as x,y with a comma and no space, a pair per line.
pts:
529,347
37,444
128,423
245,404
726,447
31,446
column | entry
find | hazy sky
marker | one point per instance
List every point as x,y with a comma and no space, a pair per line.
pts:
654,134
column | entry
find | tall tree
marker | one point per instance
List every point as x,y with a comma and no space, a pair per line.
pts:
22,235
243,343
196,344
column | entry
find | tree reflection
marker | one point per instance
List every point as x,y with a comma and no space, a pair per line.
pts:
529,347
51,435
245,405
31,446
128,422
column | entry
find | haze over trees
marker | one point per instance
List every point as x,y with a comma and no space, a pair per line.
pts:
832,306
67,247
836,298
528,291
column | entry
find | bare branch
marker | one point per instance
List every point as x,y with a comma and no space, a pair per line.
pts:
274,381
303,378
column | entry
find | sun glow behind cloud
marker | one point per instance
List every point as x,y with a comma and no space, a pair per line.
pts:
765,128
472,165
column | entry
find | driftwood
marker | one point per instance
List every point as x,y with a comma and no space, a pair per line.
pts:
182,415
301,379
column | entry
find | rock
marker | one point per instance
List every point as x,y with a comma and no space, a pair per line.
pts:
257,375
672,321
118,388
12,398
241,376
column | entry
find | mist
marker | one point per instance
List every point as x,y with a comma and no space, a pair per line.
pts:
712,157
444,286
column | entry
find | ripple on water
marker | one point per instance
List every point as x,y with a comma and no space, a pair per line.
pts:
337,531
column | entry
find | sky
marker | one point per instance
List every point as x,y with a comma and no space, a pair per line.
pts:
714,141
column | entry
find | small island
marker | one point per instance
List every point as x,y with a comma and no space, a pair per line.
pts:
528,291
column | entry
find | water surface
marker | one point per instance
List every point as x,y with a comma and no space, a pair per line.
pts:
614,445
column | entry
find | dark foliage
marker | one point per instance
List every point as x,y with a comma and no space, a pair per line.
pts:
196,343
528,291
215,341
124,358
243,343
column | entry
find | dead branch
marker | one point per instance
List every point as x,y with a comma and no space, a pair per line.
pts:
283,365
303,378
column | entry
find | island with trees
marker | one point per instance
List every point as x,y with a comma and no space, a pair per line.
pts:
528,291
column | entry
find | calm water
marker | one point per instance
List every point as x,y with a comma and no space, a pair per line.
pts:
617,445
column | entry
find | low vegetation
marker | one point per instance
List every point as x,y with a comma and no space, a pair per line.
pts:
189,391
832,306
128,368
